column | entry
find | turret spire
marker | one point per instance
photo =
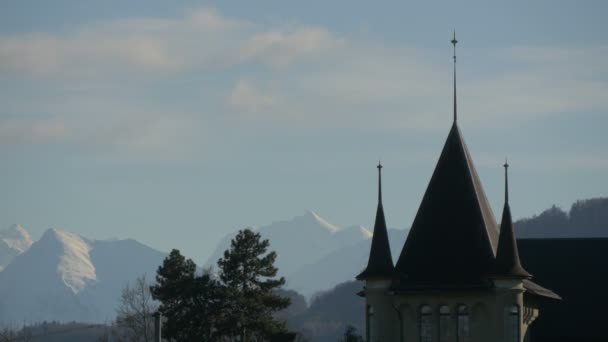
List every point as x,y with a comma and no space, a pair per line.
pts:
380,263
454,41
507,256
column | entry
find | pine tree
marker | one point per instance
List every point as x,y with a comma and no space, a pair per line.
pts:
190,303
248,273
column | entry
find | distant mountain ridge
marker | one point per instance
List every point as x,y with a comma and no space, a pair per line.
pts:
301,242
14,240
66,277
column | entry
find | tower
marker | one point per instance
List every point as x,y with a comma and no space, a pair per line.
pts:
458,277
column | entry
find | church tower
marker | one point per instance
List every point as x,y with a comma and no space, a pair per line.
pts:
459,276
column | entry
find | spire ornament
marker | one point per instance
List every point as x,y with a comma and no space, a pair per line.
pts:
454,41
506,166
379,183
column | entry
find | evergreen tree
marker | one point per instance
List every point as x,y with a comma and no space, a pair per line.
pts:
190,303
248,273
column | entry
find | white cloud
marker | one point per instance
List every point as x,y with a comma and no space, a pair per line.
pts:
316,78
247,97
283,48
202,38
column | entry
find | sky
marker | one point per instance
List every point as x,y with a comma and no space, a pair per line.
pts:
177,122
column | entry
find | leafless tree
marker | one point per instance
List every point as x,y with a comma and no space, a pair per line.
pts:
7,335
135,320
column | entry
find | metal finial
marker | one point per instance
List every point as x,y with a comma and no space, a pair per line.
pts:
454,41
379,182
506,166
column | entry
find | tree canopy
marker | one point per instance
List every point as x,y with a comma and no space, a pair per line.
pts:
237,305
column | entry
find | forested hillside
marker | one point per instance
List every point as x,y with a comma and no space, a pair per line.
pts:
330,313
586,218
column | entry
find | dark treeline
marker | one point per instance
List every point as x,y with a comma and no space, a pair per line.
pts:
331,313
56,332
586,218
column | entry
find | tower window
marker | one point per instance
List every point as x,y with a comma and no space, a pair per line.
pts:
426,324
369,323
464,324
444,324
512,323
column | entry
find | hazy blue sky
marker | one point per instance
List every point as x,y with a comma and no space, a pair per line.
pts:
175,122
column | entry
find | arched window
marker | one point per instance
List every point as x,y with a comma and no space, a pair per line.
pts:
464,324
512,325
426,324
444,324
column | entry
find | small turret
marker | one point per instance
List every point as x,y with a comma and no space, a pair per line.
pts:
380,263
507,256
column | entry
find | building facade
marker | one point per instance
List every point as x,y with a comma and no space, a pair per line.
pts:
459,277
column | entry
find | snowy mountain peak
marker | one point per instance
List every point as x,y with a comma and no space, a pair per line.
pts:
364,231
310,215
74,267
16,237
65,277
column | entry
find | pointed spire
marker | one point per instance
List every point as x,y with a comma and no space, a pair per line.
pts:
454,41
507,255
380,263
454,234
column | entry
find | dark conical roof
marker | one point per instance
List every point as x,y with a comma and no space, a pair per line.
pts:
507,256
380,263
454,236
507,262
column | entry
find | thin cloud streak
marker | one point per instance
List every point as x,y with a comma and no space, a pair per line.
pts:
294,77
203,38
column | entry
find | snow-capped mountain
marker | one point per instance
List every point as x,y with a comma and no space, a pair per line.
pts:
65,277
14,240
301,241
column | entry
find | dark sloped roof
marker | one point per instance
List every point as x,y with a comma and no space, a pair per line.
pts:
537,290
507,262
380,263
454,236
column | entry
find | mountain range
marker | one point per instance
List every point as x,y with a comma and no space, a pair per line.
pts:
66,277
312,253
